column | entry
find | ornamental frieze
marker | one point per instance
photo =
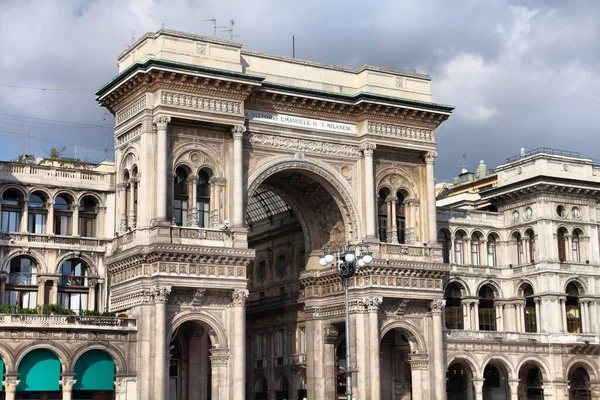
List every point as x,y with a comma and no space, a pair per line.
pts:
131,109
400,131
201,103
179,269
302,145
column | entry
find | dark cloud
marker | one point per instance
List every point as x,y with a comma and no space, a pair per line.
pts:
521,74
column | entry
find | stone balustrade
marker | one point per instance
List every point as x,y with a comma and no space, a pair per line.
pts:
466,217
492,336
25,237
19,172
66,322
405,252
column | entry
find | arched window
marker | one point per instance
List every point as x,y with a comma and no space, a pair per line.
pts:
487,311
180,197
203,199
579,384
63,213
382,211
458,245
475,245
572,309
400,218
530,234
561,237
21,286
530,312
87,216
12,206
453,310
444,241
37,213
491,250
519,252
73,291
134,188
575,246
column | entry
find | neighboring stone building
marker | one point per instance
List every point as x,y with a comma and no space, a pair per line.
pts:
233,170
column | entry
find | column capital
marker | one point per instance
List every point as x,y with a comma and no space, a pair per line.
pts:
218,357
217,181
372,303
10,385
238,297
367,148
418,362
67,383
430,156
161,121
121,385
122,186
238,131
192,178
160,294
391,199
437,306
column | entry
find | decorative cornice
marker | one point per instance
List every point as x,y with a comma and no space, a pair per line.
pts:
303,145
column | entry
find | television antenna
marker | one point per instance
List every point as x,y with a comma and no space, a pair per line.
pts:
462,163
230,30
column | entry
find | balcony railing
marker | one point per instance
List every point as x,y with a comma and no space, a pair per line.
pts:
45,171
22,278
72,280
65,321
405,252
472,216
20,237
492,336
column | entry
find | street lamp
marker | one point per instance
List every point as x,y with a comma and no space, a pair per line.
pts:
348,260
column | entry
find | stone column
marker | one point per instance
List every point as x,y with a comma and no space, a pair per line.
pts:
219,379
593,308
53,290
538,317
367,149
238,352
10,387
499,318
475,315
122,189
373,304
514,389
466,310
3,278
563,313
120,389
419,376
75,222
393,232
24,215
204,360
50,218
92,283
238,175
478,384
162,160
431,208
192,206
439,364
131,198
160,294
583,306
67,383
315,352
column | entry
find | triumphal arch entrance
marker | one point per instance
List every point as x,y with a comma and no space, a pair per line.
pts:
234,170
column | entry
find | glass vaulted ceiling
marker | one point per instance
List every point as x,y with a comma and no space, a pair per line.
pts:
263,205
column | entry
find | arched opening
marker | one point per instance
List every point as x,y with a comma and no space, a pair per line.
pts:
487,311
382,212
73,288
95,375
444,241
561,239
475,248
579,384
282,388
302,392
573,309
530,309
530,237
495,383
203,198
576,246
12,207
401,217
491,250
2,373
459,240
459,382
396,374
39,375
88,211
190,369
125,199
453,310
21,287
63,215
340,365
134,193
530,382
519,252
180,197
261,389
37,213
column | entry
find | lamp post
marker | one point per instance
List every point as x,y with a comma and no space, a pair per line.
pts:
347,265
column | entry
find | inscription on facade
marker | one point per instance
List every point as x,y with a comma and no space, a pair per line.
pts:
300,122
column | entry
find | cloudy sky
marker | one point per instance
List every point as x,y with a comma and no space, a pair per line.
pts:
520,74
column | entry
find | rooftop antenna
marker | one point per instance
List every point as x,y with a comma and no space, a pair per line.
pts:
105,138
293,46
214,22
462,162
28,128
230,30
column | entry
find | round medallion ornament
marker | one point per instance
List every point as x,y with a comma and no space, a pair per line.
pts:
394,178
519,170
196,157
346,172
515,216
566,166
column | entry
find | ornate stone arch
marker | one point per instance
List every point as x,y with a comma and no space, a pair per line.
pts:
538,361
26,348
329,178
464,286
496,233
577,281
76,254
113,351
20,189
581,361
71,193
415,335
213,326
468,359
501,359
44,191
398,178
7,358
519,286
198,157
39,259
492,284
91,194
128,160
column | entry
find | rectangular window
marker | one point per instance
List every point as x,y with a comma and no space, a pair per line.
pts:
519,252
260,346
401,230
87,227
73,301
491,250
458,252
36,223
21,298
383,229
530,322
575,250
62,225
302,340
280,343
180,211
10,221
281,265
474,252
203,214
573,321
487,319
454,317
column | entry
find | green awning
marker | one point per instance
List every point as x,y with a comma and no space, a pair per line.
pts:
1,373
39,371
94,370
